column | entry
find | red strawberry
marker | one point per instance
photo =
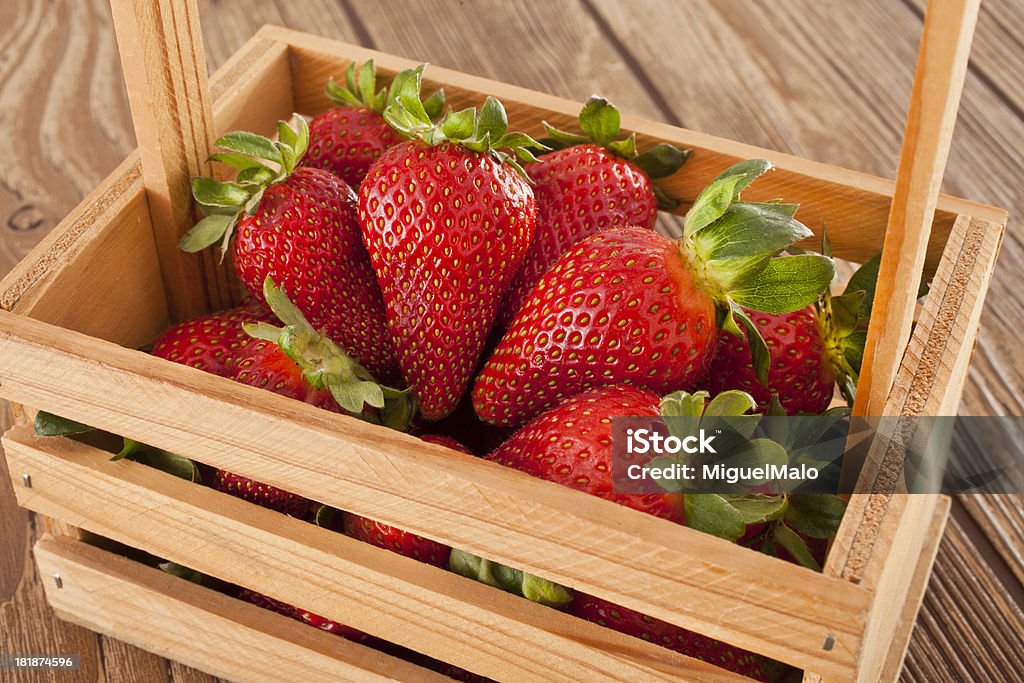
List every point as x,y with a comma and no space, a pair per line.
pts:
799,374
629,306
305,617
572,445
268,367
348,138
214,343
397,540
299,226
675,638
264,495
592,185
447,219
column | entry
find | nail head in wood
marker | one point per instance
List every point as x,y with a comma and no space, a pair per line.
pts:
26,479
830,642
59,582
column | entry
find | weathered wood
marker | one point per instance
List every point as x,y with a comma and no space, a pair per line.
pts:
670,572
827,194
397,598
172,617
941,69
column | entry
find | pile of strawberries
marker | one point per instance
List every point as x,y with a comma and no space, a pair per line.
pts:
433,272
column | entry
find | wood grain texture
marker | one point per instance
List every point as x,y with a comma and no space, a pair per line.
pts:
826,80
938,81
352,582
166,614
164,67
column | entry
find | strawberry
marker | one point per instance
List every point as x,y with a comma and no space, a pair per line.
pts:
673,637
214,343
263,495
306,617
397,540
799,374
629,306
447,218
593,184
299,226
348,138
572,444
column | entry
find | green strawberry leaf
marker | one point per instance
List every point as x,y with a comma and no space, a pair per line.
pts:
239,161
624,148
340,95
795,545
728,515
759,355
786,284
459,125
250,144
48,424
751,230
600,120
817,515
746,172
662,160
434,104
207,232
165,461
560,139
711,204
182,572
129,448
492,121
367,81
544,592
732,403
508,579
209,192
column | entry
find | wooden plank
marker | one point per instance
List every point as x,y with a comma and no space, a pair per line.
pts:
397,598
854,205
215,633
938,83
165,72
670,572
897,650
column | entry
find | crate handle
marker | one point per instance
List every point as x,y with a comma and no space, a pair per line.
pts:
165,73
938,83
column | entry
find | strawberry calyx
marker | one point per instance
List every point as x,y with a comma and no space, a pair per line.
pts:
764,521
485,131
360,91
510,580
261,162
734,250
326,366
600,122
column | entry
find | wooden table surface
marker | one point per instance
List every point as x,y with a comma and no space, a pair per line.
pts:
825,79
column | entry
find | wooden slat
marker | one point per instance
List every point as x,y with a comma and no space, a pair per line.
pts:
938,82
172,617
854,205
670,572
165,72
397,598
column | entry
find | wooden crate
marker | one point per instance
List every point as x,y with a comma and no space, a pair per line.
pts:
72,355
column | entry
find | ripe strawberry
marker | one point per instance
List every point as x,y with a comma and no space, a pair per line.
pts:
629,306
593,184
348,138
799,373
214,343
306,617
397,540
447,218
673,637
299,226
264,495
572,444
